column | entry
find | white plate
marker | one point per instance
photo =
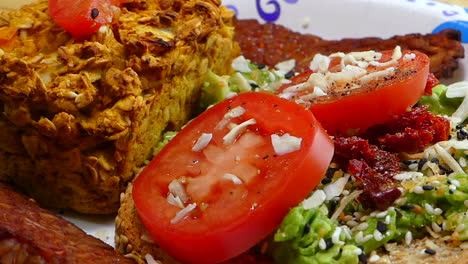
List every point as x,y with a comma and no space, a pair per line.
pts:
331,19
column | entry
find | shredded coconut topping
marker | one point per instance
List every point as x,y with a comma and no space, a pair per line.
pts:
285,144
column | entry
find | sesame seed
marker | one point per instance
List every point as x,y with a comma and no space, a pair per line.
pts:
435,160
336,235
460,228
421,163
388,219
456,183
418,189
381,226
326,180
358,251
407,207
361,226
306,228
436,227
377,235
254,85
413,166
446,169
452,187
289,75
374,258
94,13
359,238
430,251
261,66
367,238
429,208
352,223
408,238
438,211
363,258
381,214
322,244
329,243
428,187
408,162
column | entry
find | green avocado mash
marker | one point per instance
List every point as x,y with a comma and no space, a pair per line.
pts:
298,238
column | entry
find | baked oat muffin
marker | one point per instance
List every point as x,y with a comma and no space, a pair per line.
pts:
80,118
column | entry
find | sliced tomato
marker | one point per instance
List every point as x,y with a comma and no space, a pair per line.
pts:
239,186
84,17
346,110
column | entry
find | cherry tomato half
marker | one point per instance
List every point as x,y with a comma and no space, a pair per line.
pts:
348,111
82,18
240,180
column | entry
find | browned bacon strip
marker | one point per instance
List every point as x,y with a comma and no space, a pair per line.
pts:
30,234
269,44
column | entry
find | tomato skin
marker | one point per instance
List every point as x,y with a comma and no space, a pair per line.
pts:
358,109
76,17
235,224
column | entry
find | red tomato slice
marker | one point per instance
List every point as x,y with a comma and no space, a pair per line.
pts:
232,213
82,18
345,111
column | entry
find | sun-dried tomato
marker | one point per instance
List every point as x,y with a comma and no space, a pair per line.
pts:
373,170
412,131
432,81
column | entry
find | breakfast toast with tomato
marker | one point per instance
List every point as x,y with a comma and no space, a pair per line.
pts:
88,87
252,179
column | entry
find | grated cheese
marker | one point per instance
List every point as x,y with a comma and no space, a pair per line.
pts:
448,159
233,178
178,190
286,66
230,137
183,213
285,144
202,142
315,200
457,89
320,63
462,111
336,188
241,64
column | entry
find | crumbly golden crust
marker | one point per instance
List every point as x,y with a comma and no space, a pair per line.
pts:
134,242
131,237
30,234
80,118
444,252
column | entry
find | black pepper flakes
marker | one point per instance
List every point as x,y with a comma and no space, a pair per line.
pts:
94,13
430,251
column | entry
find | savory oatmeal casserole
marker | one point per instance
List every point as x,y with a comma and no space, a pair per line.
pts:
81,117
